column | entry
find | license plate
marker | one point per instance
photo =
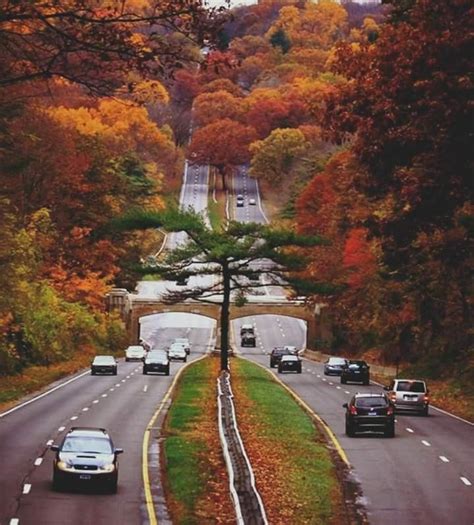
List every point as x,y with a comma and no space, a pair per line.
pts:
85,476
356,372
410,398
372,413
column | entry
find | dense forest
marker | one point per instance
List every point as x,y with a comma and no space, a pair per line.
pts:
355,118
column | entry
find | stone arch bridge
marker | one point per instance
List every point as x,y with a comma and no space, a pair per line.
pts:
133,307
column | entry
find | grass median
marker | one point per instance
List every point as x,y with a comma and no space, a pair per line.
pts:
295,473
195,476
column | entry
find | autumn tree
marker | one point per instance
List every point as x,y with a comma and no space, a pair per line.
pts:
223,144
97,45
230,254
218,105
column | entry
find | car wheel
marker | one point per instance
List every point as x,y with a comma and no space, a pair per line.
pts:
92,373
366,382
299,371
167,372
56,483
343,381
185,359
115,372
280,370
144,372
390,432
349,430
127,359
425,411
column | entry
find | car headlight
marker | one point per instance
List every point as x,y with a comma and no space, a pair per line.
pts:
107,468
62,465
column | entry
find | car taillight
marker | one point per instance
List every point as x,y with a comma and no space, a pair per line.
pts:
427,399
393,396
353,410
389,411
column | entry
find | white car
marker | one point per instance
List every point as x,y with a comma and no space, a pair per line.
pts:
177,351
252,202
185,342
135,352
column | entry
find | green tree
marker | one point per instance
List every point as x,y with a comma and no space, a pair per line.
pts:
280,39
235,255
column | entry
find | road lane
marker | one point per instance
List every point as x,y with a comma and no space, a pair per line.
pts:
122,404
404,480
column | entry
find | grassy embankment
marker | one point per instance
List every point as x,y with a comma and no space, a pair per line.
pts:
34,378
216,208
294,471
196,482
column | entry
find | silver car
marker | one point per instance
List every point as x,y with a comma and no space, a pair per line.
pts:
334,365
410,395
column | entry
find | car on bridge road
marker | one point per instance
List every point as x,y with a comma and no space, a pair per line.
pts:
277,353
157,361
135,353
177,351
372,412
356,371
104,364
334,366
86,457
411,395
289,363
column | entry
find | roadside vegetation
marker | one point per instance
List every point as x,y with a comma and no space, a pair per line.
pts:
196,481
294,471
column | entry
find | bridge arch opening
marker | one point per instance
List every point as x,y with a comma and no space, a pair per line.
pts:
272,330
158,330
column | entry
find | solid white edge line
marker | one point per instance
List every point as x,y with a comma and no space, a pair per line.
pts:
249,466
43,394
466,481
260,203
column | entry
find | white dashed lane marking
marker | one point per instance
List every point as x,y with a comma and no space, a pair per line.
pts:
444,459
104,395
145,388
14,521
426,443
410,430
49,442
73,418
26,488
346,392
60,429
338,387
38,462
466,481
85,409
95,401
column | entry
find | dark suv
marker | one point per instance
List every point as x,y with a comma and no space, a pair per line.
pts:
370,412
86,456
356,371
157,361
276,355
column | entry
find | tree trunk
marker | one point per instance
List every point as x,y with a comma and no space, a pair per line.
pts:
225,318
221,170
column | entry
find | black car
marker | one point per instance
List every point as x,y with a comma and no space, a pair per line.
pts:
289,363
334,365
356,371
277,354
104,364
86,457
157,361
370,412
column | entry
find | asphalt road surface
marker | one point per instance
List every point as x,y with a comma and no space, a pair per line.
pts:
123,404
422,476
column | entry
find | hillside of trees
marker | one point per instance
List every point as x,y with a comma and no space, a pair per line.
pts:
355,118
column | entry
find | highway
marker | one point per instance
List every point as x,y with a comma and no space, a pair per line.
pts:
422,476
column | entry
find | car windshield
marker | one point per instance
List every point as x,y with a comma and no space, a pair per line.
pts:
280,351
370,402
87,444
357,364
181,341
289,358
411,386
104,360
157,353
336,361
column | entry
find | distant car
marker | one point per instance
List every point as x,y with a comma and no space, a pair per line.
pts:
292,349
86,457
104,364
409,394
356,371
182,281
157,361
276,354
372,412
334,366
135,353
252,202
239,200
184,341
247,335
177,351
289,363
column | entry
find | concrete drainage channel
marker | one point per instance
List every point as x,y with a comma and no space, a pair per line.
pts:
247,501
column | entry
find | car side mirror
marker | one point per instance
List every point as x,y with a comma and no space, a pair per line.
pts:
344,405
54,448
118,451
